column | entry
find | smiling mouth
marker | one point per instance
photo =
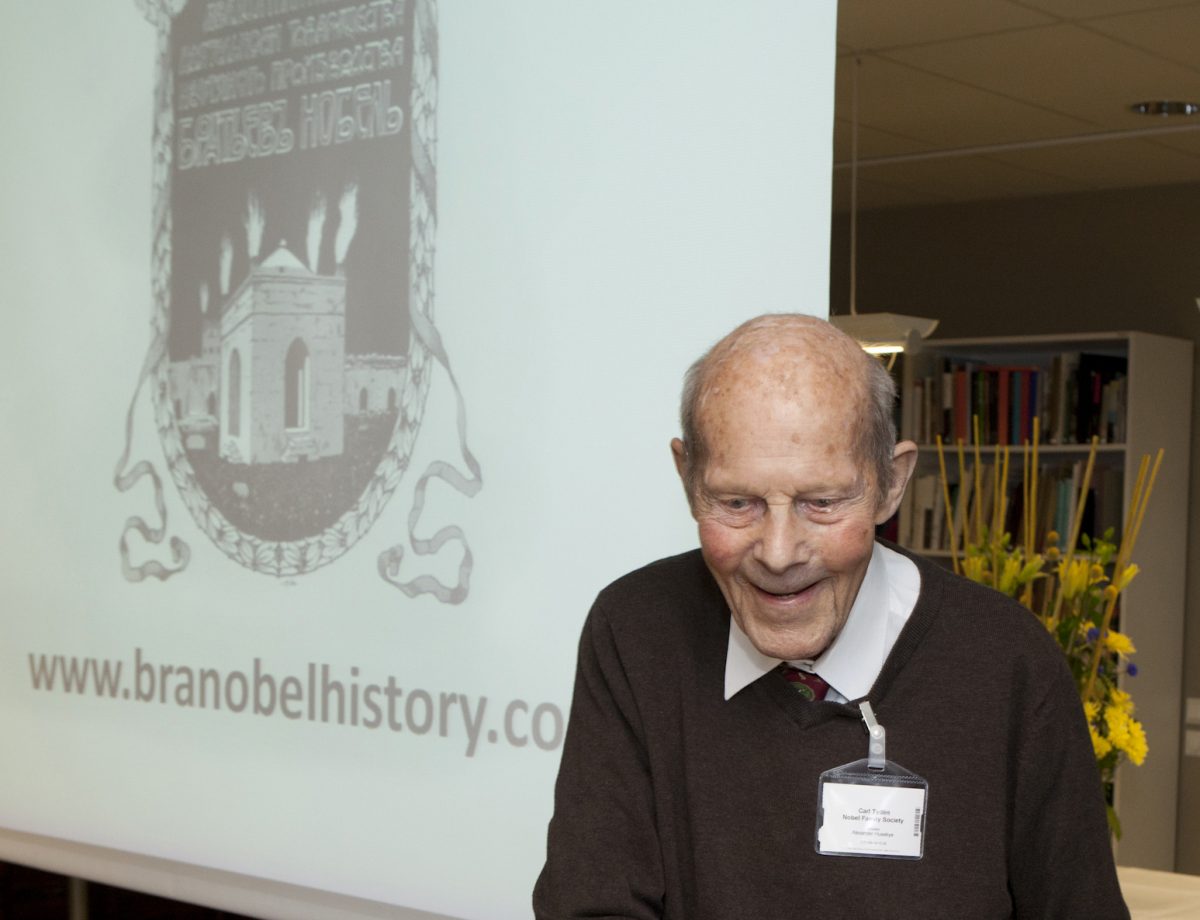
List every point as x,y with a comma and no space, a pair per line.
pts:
785,595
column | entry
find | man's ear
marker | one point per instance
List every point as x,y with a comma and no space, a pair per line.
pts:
679,452
904,461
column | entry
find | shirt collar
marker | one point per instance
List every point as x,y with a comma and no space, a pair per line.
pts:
856,655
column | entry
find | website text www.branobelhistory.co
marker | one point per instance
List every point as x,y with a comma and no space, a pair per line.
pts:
320,693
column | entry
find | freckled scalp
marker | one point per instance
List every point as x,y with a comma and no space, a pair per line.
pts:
781,359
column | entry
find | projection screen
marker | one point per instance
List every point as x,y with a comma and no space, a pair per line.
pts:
344,344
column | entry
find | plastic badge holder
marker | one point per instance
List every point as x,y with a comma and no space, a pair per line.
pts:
871,807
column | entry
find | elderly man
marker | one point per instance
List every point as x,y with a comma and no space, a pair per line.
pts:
719,693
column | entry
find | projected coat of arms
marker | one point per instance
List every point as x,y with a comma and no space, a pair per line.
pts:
292,323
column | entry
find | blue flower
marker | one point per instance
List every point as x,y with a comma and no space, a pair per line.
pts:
1131,669
1093,634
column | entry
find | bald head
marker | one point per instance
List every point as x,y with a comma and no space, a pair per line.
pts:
789,359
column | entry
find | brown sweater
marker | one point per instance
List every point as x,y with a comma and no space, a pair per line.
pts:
672,802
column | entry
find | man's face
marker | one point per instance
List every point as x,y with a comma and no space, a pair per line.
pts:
786,513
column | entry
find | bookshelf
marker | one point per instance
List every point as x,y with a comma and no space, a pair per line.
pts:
1133,390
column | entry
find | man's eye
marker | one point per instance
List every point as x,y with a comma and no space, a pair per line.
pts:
822,504
736,504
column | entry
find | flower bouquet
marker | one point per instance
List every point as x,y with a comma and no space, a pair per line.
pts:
1073,587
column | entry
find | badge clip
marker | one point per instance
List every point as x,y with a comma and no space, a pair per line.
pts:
877,745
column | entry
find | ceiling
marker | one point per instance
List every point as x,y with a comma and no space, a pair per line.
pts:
968,100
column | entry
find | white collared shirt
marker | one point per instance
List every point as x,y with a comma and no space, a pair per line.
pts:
885,601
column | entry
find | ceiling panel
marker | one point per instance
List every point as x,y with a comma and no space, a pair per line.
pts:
1171,33
880,24
909,103
1188,141
1063,68
1083,9
879,143
941,76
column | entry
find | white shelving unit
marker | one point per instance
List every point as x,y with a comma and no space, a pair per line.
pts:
1158,414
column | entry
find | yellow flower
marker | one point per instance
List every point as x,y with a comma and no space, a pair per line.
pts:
1095,573
1136,746
1127,735
1091,709
1052,536
1110,591
1052,553
1073,576
1121,700
974,567
1127,575
1100,744
1119,643
1117,722
1031,570
1010,576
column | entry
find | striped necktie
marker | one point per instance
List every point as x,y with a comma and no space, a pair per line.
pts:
807,684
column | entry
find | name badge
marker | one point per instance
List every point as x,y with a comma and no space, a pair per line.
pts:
871,807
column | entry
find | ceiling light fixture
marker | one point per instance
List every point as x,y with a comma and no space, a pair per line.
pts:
885,333
877,333
1166,108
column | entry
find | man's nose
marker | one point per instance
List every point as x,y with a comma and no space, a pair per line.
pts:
782,540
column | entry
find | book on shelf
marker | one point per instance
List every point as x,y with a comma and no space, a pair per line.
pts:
1074,396
975,499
